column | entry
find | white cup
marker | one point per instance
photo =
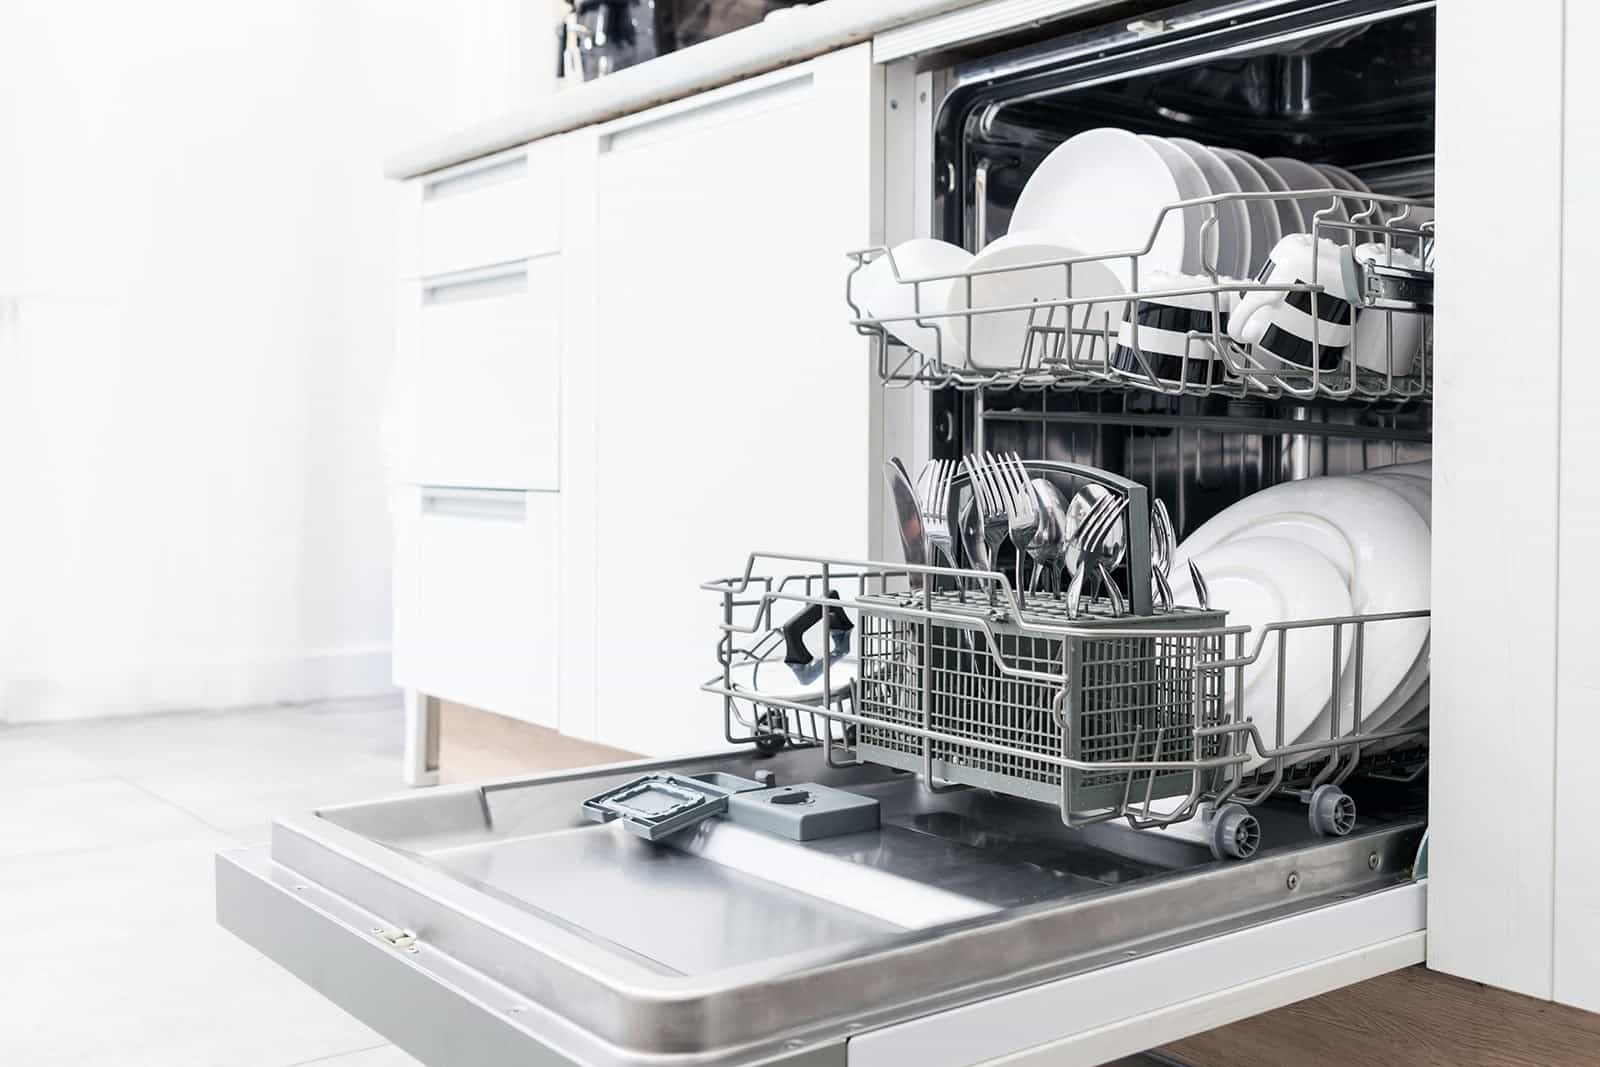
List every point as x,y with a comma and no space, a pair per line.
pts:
1382,333
1298,328
1172,327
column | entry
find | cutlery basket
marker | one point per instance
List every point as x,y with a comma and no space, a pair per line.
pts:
1114,700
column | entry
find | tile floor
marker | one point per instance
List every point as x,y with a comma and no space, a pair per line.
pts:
111,954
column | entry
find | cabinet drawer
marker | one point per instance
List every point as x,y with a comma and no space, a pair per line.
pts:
475,599
487,385
490,211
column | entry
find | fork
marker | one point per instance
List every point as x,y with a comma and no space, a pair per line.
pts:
993,516
1023,509
933,494
1163,545
1094,550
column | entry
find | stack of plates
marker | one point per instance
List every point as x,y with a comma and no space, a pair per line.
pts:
1321,548
1102,193
1104,190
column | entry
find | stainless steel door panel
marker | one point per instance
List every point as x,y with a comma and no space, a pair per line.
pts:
504,890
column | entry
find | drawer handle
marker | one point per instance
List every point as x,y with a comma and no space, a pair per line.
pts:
492,505
649,129
465,181
482,283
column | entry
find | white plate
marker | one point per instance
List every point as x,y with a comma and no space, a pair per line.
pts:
1302,176
1403,704
1310,530
999,340
1392,553
1343,179
1266,229
1416,489
1262,580
1233,218
1105,188
1289,218
879,294
1192,185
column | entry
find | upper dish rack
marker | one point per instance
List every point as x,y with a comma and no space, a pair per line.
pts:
1067,338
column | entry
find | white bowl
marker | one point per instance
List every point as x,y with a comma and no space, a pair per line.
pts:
998,340
878,292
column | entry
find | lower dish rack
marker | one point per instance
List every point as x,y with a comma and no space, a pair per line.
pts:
945,674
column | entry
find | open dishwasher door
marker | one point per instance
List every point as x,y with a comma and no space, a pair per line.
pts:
497,925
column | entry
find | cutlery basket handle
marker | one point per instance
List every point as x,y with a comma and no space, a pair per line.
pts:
794,631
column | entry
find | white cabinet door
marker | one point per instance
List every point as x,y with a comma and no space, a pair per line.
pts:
1514,892
729,395
487,375
476,600
486,211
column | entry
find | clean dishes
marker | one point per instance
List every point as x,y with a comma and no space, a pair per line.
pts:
1000,340
1410,696
1192,185
1302,177
1289,218
1297,328
1174,329
1266,229
879,293
1261,580
1390,554
1233,217
1387,341
1106,188
1310,530
1343,179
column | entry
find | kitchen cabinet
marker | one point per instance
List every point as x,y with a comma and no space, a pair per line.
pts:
476,413
723,400
476,598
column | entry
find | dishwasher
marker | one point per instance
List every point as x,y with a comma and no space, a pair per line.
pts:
961,818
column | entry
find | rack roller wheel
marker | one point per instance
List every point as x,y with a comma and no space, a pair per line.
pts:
1333,811
768,741
1235,833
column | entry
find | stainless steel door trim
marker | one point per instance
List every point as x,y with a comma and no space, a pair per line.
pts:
1138,1003
420,999
1248,25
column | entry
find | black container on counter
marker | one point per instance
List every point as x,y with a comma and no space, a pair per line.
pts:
615,34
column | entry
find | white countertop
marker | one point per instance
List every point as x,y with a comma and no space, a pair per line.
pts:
788,38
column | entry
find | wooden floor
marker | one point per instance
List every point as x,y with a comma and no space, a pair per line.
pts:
1415,1018
1412,1018
475,746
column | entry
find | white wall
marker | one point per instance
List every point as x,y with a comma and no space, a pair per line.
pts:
195,337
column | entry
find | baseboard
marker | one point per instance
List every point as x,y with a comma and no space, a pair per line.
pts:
134,689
